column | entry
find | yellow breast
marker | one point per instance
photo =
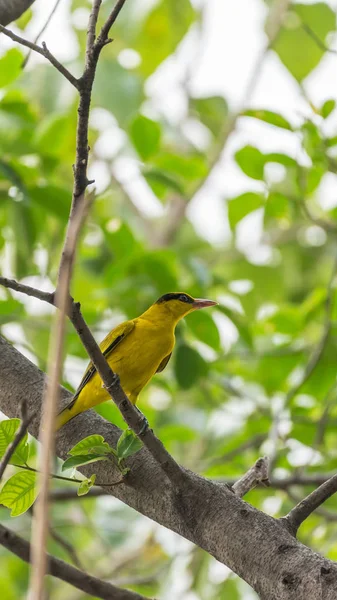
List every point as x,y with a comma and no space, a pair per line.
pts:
136,359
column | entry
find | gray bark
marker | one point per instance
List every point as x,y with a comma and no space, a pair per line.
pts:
10,10
257,547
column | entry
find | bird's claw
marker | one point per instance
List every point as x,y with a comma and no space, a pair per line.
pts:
145,423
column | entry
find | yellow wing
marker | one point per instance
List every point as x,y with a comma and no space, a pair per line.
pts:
107,346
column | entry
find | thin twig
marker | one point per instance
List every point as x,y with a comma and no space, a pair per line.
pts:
316,39
42,30
67,546
21,432
102,39
71,479
50,402
293,480
58,568
63,495
257,474
307,506
44,52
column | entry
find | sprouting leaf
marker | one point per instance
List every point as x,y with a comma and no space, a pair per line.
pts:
85,459
86,485
8,429
128,444
19,492
92,444
327,108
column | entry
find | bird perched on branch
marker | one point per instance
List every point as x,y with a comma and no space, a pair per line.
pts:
135,350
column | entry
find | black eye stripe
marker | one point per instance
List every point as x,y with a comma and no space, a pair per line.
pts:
175,296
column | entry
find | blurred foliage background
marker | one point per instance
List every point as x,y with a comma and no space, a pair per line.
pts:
255,376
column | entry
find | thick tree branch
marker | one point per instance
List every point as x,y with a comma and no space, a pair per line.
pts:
21,432
307,506
44,52
62,570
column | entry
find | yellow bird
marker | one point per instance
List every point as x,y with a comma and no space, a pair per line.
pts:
135,350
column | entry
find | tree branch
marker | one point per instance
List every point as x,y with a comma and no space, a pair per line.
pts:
307,506
44,52
42,30
258,473
26,420
62,570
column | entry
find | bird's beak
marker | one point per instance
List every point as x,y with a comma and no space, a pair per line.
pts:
202,303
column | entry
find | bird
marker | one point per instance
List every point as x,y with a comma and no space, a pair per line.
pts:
135,351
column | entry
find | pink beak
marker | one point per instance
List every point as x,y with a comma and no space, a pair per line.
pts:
202,303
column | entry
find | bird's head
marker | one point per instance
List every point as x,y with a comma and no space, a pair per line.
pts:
180,304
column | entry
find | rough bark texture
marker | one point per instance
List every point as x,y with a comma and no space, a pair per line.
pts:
259,548
10,10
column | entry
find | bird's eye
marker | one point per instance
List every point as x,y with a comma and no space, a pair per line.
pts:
183,298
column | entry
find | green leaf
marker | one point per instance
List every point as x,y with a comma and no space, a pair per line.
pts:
128,444
8,430
277,207
53,134
297,44
117,90
85,459
251,161
52,199
204,328
189,366
25,18
10,66
93,444
242,205
145,135
163,29
187,167
211,111
86,485
268,116
161,181
327,108
19,492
